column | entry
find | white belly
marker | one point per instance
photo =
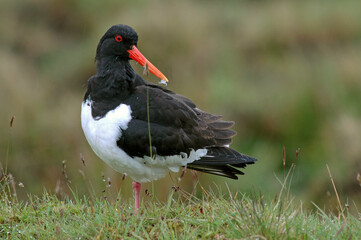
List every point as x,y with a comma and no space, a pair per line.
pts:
102,136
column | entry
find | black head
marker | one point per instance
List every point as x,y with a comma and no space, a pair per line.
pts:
116,41
118,45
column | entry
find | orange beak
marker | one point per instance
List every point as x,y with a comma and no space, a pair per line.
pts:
138,56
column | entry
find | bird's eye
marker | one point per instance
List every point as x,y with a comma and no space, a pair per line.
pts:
118,38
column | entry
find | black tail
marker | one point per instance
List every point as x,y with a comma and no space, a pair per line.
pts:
222,161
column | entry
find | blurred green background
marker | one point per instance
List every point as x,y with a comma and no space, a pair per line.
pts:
287,72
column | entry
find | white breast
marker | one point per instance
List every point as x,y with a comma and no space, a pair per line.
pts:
102,136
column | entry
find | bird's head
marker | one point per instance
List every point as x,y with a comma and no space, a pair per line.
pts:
116,42
120,42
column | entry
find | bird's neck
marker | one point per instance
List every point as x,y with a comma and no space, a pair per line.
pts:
114,79
119,68
112,84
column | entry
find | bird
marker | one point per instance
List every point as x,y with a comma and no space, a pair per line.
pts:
144,130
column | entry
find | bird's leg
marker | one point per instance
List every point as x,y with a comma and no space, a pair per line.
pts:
136,187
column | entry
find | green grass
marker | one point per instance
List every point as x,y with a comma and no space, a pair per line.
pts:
182,216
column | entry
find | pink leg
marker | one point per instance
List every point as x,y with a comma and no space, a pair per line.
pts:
136,187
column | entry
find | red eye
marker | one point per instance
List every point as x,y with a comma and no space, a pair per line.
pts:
118,38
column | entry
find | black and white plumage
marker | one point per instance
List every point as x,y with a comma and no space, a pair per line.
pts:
114,118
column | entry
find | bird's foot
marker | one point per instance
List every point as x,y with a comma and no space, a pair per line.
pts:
136,187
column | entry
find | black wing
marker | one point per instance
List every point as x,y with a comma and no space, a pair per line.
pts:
176,126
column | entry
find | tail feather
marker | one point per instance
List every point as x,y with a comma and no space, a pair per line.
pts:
224,171
222,161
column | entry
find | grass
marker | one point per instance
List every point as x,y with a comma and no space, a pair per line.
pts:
182,216
216,215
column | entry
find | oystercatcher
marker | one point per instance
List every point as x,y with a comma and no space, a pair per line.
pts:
144,130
